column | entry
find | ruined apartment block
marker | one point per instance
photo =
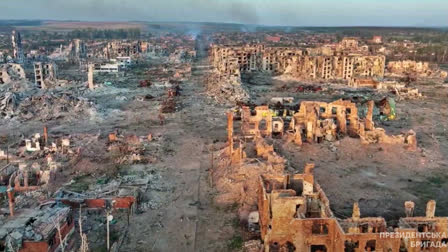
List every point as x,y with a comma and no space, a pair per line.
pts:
295,215
306,64
45,74
122,49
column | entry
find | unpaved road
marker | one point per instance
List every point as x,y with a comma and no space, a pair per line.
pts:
186,218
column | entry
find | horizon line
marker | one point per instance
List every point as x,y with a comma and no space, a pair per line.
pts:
230,23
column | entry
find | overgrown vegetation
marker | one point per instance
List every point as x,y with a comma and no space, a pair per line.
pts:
235,243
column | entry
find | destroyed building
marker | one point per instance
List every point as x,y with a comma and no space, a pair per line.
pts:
318,121
350,43
295,215
293,212
11,72
16,39
45,74
121,49
419,69
77,51
42,229
322,63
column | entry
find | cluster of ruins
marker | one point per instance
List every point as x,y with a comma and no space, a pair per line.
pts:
348,62
318,121
291,211
46,178
410,67
295,215
344,62
36,166
41,211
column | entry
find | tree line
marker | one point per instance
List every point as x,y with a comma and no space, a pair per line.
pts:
89,33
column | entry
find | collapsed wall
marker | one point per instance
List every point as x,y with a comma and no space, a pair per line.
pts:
319,121
225,90
295,215
420,69
252,154
292,211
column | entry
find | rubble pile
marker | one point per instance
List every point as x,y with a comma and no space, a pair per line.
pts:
8,104
407,93
401,90
226,91
236,175
44,107
418,69
167,73
127,150
10,73
252,154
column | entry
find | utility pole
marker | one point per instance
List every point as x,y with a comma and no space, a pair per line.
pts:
109,218
7,150
108,231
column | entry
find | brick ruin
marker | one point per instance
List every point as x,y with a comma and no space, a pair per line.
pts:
318,121
420,69
33,168
295,215
323,63
292,211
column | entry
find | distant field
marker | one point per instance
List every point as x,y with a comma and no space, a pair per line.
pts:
69,26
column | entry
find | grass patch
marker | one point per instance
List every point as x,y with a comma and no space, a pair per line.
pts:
235,243
426,190
423,190
437,180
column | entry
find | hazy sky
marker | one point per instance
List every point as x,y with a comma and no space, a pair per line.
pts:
269,12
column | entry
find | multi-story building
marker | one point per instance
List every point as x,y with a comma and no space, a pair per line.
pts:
44,74
308,64
16,39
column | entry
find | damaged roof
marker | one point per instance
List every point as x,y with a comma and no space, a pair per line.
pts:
33,224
